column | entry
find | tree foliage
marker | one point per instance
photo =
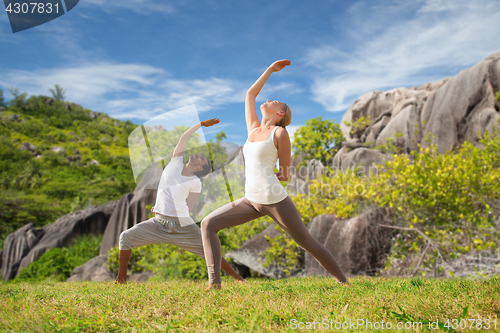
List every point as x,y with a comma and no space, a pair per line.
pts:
2,101
319,139
57,263
19,99
220,136
58,93
43,185
358,126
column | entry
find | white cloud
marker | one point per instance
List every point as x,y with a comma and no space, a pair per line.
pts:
173,94
127,90
288,87
216,128
206,94
403,44
85,83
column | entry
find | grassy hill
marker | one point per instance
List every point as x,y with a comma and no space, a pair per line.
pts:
41,185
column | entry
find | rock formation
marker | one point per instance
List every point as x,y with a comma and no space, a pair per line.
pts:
28,146
28,244
58,150
131,208
96,269
453,110
358,244
17,246
301,172
251,254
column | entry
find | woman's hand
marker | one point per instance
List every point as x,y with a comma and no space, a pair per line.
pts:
279,65
210,122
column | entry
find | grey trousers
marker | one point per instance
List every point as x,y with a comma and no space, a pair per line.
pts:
153,231
243,210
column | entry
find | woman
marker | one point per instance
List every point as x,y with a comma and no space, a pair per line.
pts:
264,195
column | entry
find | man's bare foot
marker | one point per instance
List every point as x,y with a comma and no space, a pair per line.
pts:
119,281
240,281
216,286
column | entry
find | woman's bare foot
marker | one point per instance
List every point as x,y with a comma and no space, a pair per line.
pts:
346,283
240,281
216,286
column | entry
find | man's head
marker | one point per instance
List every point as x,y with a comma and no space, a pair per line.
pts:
200,165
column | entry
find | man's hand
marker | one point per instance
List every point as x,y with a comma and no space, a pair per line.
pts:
210,122
279,65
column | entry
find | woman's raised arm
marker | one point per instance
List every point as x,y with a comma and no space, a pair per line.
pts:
250,108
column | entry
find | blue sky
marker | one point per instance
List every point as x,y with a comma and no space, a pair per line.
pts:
135,59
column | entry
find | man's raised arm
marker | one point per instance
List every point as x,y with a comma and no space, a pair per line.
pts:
181,145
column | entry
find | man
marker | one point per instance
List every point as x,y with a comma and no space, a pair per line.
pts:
178,191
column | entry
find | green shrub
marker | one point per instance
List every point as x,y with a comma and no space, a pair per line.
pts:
319,139
358,126
445,199
30,178
58,263
445,205
18,103
165,260
18,208
391,145
283,251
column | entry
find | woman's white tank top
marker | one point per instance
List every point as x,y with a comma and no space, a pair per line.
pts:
261,184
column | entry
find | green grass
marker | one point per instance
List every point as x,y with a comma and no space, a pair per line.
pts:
260,305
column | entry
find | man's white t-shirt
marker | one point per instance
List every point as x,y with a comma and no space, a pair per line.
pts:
173,190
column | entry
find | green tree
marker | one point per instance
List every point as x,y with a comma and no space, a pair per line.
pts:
2,102
319,139
19,99
220,136
58,92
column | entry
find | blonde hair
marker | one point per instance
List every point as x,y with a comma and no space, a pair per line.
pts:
287,118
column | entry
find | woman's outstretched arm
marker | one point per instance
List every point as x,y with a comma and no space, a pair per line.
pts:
250,111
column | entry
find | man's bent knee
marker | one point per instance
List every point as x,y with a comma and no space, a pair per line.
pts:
124,241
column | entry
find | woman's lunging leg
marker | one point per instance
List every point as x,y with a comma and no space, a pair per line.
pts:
286,215
230,215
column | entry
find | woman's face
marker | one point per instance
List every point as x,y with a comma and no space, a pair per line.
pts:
272,107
